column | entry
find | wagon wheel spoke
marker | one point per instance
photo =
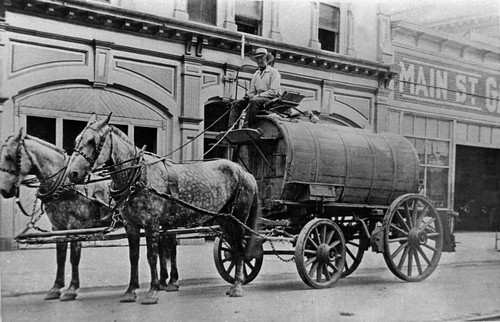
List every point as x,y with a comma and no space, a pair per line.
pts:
231,266
326,273
228,258
430,247
400,218
410,261
348,251
399,229
309,261
398,250
312,241
407,215
318,237
335,269
328,238
414,213
309,252
313,269
334,244
249,264
428,223
422,253
422,215
323,235
417,261
403,258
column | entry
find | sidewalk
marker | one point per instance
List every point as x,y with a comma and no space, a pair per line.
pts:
32,270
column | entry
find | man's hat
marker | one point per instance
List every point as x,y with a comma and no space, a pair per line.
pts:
262,52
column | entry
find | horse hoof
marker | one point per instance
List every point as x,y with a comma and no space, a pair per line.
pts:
172,288
53,295
235,291
150,300
68,297
162,287
128,298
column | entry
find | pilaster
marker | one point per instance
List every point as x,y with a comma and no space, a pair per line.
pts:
314,40
275,33
102,58
180,10
190,117
229,22
382,104
385,53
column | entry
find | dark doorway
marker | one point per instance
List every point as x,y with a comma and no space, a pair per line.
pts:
477,188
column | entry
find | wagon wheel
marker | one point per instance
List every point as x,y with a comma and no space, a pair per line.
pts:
320,253
356,245
413,238
225,262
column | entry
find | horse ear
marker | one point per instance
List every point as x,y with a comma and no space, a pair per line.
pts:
20,134
93,118
108,118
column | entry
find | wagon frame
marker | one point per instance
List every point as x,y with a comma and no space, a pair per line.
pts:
330,235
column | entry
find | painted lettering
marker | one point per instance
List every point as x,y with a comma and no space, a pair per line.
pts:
492,95
461,94
407,75
421,83
473,82
442,84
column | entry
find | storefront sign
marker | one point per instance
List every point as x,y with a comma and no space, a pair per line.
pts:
434,84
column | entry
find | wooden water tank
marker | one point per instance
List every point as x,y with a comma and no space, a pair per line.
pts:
333,163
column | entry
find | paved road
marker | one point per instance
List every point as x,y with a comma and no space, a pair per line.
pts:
465,285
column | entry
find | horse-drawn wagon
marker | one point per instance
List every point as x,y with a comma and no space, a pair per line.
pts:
333,192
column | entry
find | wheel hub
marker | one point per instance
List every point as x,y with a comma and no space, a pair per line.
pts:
325,253
417,237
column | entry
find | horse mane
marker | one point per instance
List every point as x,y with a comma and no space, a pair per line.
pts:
121,135
45,143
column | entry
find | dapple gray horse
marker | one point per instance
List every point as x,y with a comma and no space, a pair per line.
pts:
139,180
67,208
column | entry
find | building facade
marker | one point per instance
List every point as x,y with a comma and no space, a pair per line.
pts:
155,65
446,101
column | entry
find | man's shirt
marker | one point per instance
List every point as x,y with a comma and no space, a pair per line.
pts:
265,83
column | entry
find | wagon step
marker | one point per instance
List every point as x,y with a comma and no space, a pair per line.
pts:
241,136
274,223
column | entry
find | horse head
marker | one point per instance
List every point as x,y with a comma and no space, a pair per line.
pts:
15,164
93,147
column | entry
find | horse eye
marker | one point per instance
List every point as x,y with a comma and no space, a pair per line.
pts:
8,157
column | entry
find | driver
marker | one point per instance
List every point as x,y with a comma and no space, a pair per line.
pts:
264,86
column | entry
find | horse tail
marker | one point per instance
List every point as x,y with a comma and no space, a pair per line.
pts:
253,222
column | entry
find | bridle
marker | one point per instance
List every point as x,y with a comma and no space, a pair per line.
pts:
97,152
18,159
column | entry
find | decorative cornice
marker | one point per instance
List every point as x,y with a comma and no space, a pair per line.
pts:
194,36
189,120
442,38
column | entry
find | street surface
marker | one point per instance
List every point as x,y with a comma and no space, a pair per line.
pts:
460,289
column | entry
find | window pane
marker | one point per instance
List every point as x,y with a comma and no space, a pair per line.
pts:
202,11
248,9
328,40
408,125
42,127
437,186
71,129
419,145
329,17
248,16
438,153
146,136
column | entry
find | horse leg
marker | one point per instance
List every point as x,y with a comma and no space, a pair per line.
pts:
75,255
152,239
173,284
54,292
133,236
236,290
163,255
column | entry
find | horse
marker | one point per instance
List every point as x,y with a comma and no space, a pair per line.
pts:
142,180
66,207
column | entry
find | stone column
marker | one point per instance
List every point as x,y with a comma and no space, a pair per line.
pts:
351,51
313,41
229,22
190,117
180,10
382,104
275,33
7,220
385,53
